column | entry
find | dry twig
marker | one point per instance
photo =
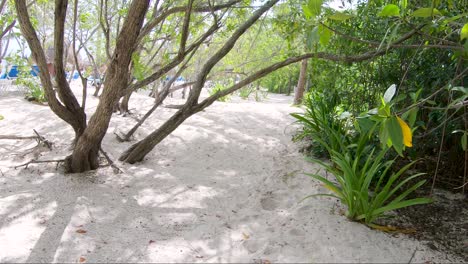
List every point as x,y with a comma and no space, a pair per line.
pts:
38,161
117,170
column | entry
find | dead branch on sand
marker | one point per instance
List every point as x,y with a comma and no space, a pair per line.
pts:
39,161
40,139
110,162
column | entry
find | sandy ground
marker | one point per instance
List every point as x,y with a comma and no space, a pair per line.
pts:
224,187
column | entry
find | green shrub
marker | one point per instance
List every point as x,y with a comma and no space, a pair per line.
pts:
34,91
364,182
219,87
355,168
245,92
321,119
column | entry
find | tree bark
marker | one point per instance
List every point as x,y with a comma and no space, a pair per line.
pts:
85,153
299,94
67,108
139,150
98,88
124,104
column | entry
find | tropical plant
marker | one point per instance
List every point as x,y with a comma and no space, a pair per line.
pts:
319,121
355,168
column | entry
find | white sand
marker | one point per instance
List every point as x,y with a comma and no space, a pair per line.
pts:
224,187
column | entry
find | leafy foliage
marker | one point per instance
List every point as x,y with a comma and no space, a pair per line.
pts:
217,88
34,89
355,168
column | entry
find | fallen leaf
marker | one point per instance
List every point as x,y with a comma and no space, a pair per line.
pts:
81,231
82,260
393,229
151,241
245,236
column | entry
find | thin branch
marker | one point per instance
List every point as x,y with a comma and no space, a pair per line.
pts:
14,137
156,20
224,50
409,46
38,161
110,162
176,61
185,28
43,140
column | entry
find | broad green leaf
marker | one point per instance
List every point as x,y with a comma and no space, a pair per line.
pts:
307,12
315,6
395,134
383,134
407,135
340,16
464,32
325,35
403,4
412,115
426,12
389,93
390,10
312,37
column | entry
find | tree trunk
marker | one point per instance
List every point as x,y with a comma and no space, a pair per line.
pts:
301,83
139,150
124,105
86,151
98,87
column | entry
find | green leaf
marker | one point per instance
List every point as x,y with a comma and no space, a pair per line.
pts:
460,89
426,12
464,32
383,133
395,134
403,4
412,115
390,10
340,16
307,12
312,37
325,35
315,6
1,117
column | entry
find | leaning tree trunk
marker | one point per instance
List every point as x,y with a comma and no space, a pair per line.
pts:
139,150
301,83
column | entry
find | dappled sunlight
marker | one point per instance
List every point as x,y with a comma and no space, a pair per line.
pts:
22,230
224,187
177,197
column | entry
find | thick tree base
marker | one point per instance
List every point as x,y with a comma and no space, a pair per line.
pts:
78,162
